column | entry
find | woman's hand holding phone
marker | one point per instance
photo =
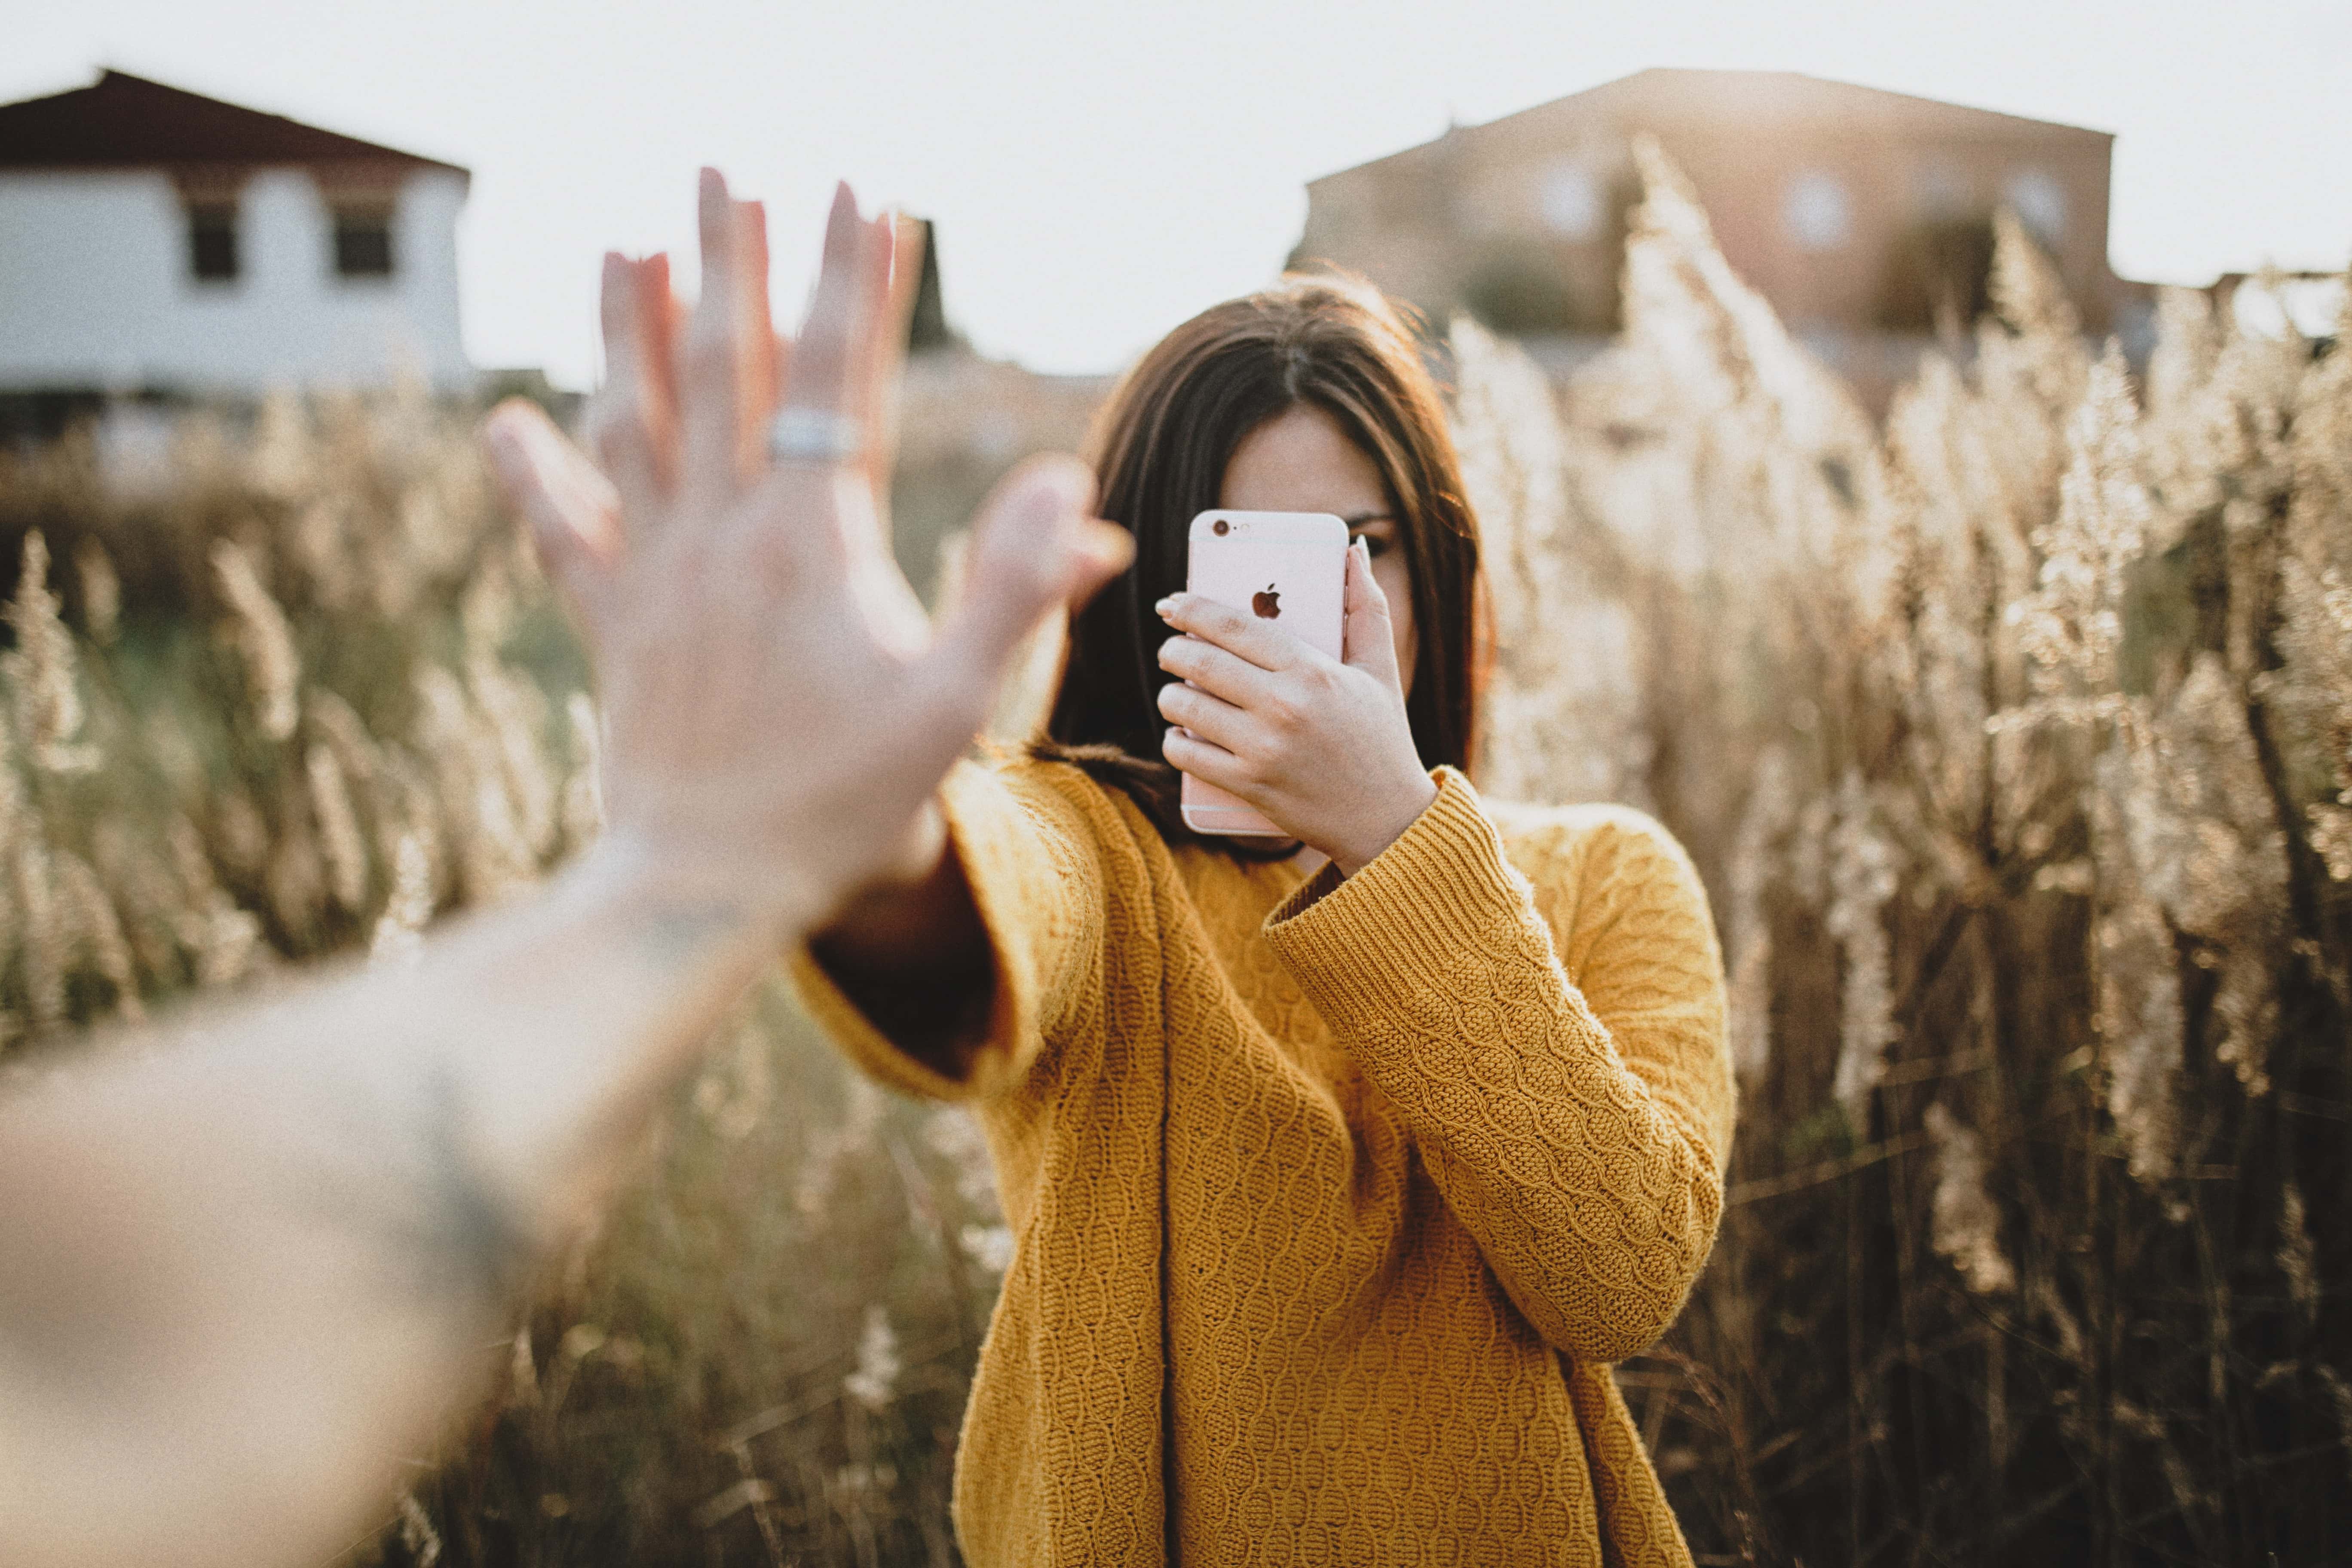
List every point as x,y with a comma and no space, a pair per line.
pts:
1322,746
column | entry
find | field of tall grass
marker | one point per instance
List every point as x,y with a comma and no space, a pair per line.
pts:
2014,739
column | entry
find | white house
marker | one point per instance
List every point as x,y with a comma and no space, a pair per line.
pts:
153,240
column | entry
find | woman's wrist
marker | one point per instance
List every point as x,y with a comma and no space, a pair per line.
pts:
912,953
914,880
917,915
1410,803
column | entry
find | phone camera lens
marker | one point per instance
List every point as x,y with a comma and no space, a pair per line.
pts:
1220,528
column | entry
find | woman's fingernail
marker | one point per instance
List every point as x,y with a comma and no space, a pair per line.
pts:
1166,606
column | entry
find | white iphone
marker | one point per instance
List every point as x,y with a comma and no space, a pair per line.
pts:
1288,567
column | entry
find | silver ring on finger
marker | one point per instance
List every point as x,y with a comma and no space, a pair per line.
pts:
818,436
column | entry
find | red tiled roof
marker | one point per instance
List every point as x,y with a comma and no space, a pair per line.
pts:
126,121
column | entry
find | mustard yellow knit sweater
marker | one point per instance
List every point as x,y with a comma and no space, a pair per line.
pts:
1333,1199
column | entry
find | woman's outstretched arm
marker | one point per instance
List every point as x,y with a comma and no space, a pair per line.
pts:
248,1259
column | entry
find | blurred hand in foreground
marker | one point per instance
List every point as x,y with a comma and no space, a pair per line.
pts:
247,1267
779,712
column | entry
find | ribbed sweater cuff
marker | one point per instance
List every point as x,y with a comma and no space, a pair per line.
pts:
973,801
1368,946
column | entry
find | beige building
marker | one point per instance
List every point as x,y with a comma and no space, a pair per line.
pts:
1852,210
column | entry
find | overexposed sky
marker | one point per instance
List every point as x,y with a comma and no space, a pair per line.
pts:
1100,171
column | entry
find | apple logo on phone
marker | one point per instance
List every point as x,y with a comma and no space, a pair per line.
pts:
1266,602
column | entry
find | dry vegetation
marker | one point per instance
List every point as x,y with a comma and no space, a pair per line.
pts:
2013,743
2015,740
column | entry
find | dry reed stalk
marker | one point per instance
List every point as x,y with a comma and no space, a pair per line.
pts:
1863,875
223,940
583,789
273,670
510,716
90,915
42,670
340,842
735,1091
1561,709
317,545
101,590
2070,628
1965,1224
821,1168
43,943
401,927
877,1362
145,894
467,767
1769,815
417,1536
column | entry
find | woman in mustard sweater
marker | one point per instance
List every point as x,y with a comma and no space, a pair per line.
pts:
1340,1172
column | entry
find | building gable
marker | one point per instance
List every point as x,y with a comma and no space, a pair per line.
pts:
1791,98
1781,100
123,122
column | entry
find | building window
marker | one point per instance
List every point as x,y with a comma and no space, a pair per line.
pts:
212,242
362,242
1940,192
2040,203
1819,212
1572,202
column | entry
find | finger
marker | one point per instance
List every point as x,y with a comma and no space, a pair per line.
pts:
895,282
628,426
1032,550
761,375
571,508
661,317
1214,670
714,361
665,327
1211,718
874,355
1209,763
1251,637
832,336
780,373
1369,638
1104,550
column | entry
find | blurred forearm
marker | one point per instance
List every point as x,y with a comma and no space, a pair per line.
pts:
248,1260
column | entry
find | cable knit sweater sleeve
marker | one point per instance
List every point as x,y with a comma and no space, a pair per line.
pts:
1577,1130
1034,865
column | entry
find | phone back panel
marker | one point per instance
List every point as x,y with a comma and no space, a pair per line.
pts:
1289,567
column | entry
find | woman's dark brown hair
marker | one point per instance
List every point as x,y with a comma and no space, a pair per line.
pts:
1160,447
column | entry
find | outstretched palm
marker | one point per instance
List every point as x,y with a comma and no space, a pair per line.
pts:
778,709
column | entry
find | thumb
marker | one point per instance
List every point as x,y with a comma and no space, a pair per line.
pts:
1034,550
571,508
1371,640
